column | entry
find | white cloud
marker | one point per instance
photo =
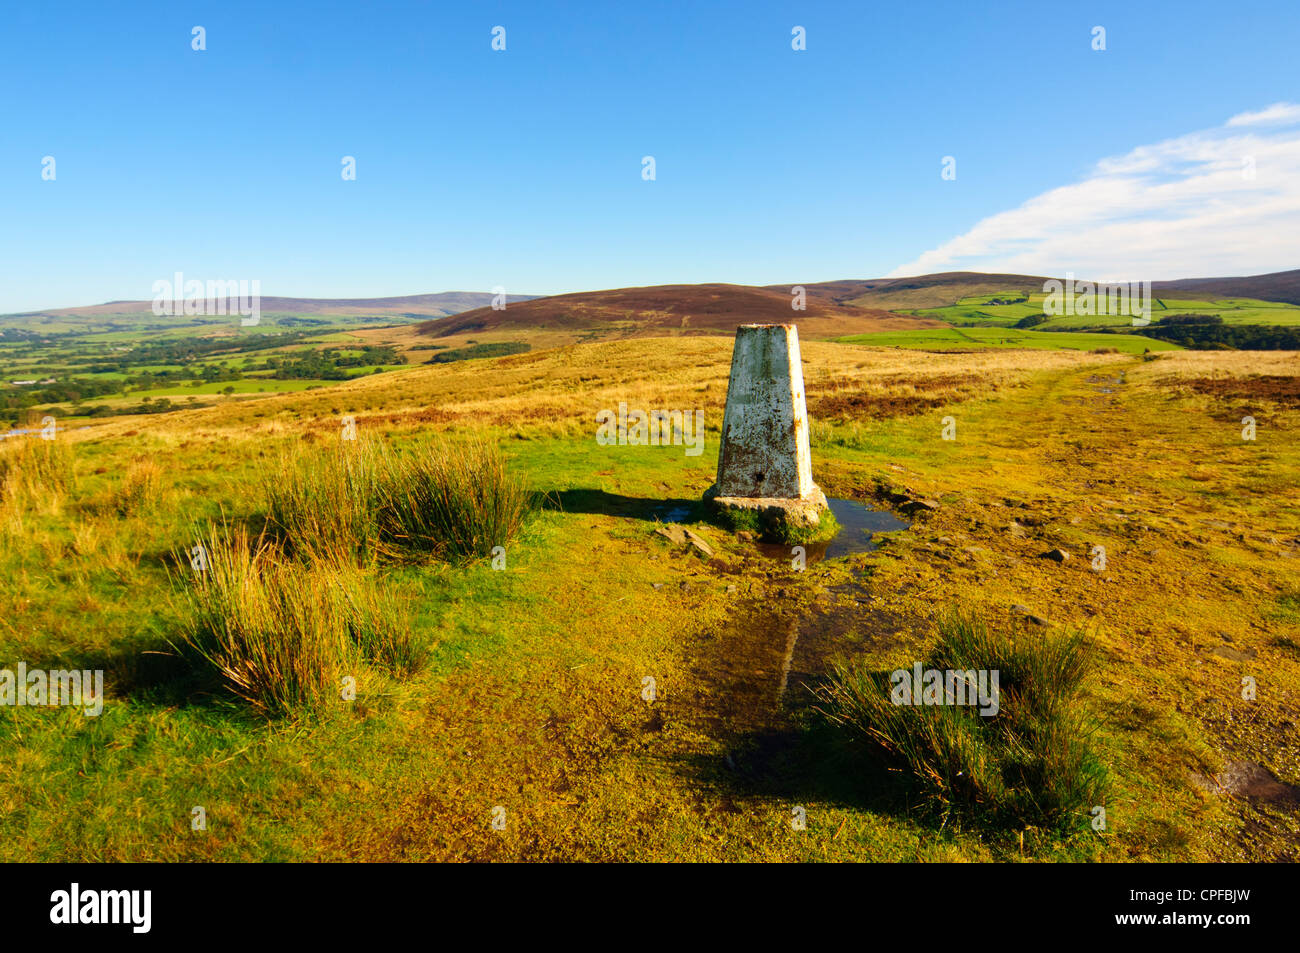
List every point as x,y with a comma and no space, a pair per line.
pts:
1182,208
1271,115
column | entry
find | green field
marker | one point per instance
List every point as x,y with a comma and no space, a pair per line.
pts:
967,338
979,310
87,373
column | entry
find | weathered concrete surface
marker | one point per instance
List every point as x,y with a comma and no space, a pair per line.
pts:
774,511
764,462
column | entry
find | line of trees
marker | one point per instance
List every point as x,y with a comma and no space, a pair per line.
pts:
1224,337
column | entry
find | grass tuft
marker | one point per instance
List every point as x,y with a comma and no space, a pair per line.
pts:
282,634
31,466
369,502
139,489
1030,763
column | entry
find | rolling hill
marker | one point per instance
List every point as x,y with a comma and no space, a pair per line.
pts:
1278,286
834,308
138,315
924,291
947,288
674,310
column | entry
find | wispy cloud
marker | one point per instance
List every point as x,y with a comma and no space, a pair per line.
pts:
1278,113
1224,201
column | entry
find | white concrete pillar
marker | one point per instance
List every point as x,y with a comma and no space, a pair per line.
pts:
764,452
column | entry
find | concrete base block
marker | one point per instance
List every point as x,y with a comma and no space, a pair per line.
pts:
777,517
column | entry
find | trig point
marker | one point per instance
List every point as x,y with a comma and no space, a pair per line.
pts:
764,465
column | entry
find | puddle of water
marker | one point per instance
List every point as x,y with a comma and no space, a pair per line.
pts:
673,514
13,434
1248,779
759,663
858,525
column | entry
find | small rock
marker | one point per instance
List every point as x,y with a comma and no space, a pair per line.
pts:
672,532
1029,615
745,536
657,585
1056,555
1233,655
733,589
698,542
912,507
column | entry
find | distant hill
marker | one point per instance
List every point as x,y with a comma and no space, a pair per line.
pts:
834,308
947,288
136,314
675,309
1278,286
924,291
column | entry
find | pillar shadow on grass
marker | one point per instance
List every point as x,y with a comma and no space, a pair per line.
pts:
150,671
628,507
754,692
807,761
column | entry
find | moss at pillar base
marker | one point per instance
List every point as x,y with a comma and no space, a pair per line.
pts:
774,520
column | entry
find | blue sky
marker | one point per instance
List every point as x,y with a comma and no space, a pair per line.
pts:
522,168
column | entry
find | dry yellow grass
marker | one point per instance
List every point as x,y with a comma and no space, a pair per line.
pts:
559,390
1182,364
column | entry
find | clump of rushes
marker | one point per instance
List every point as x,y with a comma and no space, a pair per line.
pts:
370,502
323,505
454,502
139,488
1030,763
283,634
378,623
30,466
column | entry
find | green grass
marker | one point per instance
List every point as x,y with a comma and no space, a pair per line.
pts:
249,385
976,310
530,697
139,489
966,338
32,466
